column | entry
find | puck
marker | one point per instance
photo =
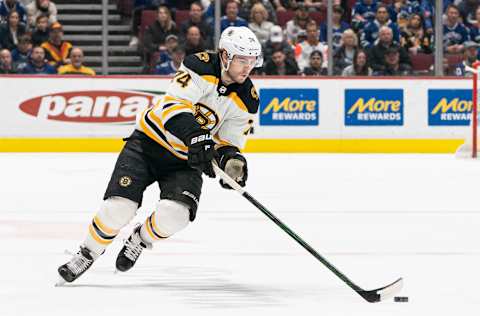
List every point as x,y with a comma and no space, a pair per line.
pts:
400,299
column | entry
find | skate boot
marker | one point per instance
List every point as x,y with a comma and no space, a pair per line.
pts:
79,263
132,249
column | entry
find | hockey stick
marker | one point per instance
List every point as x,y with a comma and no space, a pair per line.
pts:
371,296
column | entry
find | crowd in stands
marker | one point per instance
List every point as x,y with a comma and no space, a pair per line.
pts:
370,37
32,41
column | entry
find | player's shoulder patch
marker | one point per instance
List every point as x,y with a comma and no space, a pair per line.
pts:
202,63
249,95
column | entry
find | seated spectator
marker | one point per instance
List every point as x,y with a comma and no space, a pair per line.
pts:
76,66
414,38
305,48
371,30
196,19
171,41
454,32
282,5
363,13
12,5
138,7
280,65
338,28
171,67
259,24
231,17
40,33
377,52
11,31
21,54
247,5
359,67
470,56
344,55
275,42
155,34
315,67
41,7
38,64
467,10
6,63
475,28
393,67
298,23
56,49
193,41
401,10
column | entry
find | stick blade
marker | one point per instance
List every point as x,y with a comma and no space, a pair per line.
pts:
382,293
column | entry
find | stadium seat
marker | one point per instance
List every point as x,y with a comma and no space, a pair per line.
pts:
125,7
284,16
181,16
148,18
421,63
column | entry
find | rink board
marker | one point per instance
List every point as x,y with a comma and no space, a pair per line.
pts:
356,115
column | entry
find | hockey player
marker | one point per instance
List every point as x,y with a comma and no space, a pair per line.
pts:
206,114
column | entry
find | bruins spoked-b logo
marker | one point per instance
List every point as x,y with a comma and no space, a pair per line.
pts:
125,181
205,116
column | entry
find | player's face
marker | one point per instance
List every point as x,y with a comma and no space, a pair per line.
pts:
240,67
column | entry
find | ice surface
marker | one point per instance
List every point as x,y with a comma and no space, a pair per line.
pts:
375,217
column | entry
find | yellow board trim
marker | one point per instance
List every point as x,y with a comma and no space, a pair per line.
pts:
253,145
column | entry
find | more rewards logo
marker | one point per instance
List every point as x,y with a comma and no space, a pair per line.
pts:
377,107
449,107
289,107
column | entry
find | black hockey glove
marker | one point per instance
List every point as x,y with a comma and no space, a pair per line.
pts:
234,164
201,152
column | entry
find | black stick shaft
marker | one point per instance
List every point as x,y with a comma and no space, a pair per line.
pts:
304,244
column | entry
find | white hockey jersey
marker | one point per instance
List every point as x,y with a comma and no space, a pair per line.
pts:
227,111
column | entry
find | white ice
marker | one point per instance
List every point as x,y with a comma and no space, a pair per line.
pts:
375,217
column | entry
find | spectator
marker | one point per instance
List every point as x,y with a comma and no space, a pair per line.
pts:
171,67
259,24
276,42
359,67
12,5
414,38
280,65
56,49
338,28
38,64
370,33
76,66
6,64
11,31
21,54
470,56
305,48
231,17
298,23
393,67
315,67
282,5
363,13
401,10
138,7
468,10
197,20
194,42
247,6
454,32
155,34
40,32
344,55
475,29
41,7
377,52
171,41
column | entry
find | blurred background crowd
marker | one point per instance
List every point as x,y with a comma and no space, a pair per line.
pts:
369,37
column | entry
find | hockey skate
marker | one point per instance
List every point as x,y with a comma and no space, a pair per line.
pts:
132,249
79,263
